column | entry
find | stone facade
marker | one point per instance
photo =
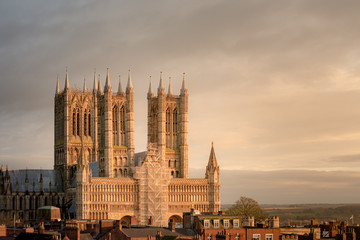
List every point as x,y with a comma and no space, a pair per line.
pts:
97,127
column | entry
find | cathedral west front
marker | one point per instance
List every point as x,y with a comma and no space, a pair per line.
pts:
98,173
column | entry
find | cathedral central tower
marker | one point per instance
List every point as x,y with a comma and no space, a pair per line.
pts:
168,126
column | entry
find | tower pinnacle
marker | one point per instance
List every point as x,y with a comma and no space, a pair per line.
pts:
150,92
107,83
120,91
170,89
183,87
67,85
57,86
94,86
84,88
99,86
161,88
129,86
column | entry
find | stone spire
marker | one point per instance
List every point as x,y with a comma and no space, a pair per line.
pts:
107,83
67,85
150,92
94,86
170,89
50,186
212,164
84,88
120,91
161,88
99,86
129,86
57,85
183,87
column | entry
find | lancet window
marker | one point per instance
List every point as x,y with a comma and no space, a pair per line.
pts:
175,128
168,143
115,121
122,125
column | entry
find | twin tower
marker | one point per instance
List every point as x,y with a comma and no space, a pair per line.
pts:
98,125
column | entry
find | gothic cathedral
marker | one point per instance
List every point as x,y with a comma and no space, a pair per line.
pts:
101,176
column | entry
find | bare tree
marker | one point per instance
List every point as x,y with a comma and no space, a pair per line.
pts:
246,207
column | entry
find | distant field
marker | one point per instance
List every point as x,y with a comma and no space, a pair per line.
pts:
301,214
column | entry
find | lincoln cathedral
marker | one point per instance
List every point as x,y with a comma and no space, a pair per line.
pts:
97,173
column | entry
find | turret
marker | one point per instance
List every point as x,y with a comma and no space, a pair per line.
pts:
213,176
212,166
183,87
107,87
161,88
99,91
50,186
84,88
67,85
94,85
129,87
57,86
170,89
108,116
129,120
150,93
120,91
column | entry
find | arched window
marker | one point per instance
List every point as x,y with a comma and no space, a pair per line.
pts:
115,115
89,127
169,163
168,145
78,123
125,172
175,128
120,173
85,124
115,173
122,125
74,122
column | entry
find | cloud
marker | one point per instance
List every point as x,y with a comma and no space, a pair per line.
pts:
274,84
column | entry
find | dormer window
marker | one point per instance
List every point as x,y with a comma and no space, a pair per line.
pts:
236,223
206,223
226,223
216,223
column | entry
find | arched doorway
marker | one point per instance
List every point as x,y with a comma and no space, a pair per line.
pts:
125,221
175,219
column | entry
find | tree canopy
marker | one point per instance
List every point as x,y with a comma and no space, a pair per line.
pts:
246,207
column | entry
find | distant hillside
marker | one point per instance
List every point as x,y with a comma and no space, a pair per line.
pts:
301,214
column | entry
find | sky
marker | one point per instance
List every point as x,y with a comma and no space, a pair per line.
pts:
275,84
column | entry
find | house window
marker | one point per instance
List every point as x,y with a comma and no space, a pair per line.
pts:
216,223
236,223
268,237
226,223
206,223
256,237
